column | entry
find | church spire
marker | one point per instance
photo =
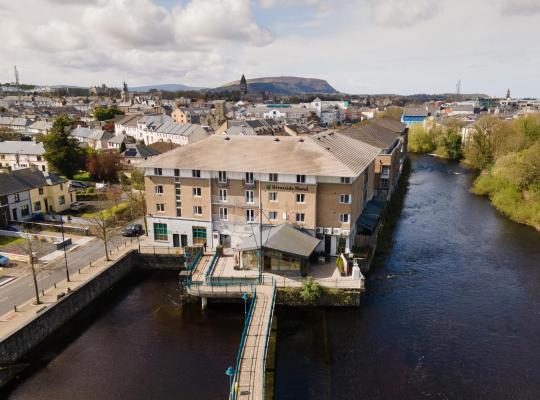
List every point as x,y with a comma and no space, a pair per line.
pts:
243,86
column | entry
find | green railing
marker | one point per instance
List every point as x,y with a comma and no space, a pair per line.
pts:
234,387
210,270
267,337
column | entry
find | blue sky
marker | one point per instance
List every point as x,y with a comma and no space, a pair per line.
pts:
359,46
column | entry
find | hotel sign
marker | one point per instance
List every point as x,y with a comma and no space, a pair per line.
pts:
288,188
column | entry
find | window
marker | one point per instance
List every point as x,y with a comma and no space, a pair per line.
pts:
250,215
199,235
345,198
177,172
249,177
222,177
61,186
17,197
38,158
160,232
300,179
177,191
37,206
300,217
178,212
222,194
300,198
40,190
272,215
272,196
197,192
384,183
158,171
249,196
62,200
196,173
197,210
223,213
385,170
344,218
345,179
160,207
273,177
25,210
159,189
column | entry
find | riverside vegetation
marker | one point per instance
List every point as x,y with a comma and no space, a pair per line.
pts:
507,154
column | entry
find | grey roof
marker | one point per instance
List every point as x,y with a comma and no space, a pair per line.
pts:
87,133
415,112
26,179
372,134
284,238
14,121
390,124
139,151
173,128
41,125
129,120
325,154
20,147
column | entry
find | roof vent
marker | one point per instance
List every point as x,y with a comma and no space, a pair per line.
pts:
227,138
301,140
276,140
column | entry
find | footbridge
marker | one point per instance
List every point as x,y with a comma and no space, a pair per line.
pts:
248,376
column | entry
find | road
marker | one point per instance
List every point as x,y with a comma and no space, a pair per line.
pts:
22,289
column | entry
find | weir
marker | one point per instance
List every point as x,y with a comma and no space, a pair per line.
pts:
248,376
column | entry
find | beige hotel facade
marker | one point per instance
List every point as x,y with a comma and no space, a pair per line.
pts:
211,191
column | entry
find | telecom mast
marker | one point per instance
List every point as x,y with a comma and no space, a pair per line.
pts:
17,84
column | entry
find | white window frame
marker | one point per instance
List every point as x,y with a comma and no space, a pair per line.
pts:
250,215
345,218
250,196
345,198
196,191
160,207
273,194
345,179
158,171
300,198
158,189
195,173
223,213
300,217
222,176
300,179
223,195
196,210
250,178
273,214
273,177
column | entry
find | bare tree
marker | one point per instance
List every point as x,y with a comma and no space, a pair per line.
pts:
137,182
102,226
27,246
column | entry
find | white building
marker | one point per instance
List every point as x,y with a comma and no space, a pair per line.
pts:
19,155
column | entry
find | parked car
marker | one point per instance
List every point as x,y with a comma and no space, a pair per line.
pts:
78,206
4,260
133,230
78,185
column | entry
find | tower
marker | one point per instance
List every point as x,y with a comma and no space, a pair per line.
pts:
243,86
125,93
508,94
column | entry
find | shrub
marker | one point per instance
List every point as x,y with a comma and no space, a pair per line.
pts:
420,141
311,291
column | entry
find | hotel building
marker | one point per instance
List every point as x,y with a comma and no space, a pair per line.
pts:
211,191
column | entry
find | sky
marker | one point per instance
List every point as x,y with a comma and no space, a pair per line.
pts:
358,46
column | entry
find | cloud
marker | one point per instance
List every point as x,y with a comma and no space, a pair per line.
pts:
521,7
54,36
207,20
403,13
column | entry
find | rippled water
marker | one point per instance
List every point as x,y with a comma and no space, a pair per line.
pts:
451,312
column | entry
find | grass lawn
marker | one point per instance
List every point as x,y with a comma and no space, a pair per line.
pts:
108,212
82,176
6,240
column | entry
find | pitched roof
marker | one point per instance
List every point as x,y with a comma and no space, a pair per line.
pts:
284,238
415,112
372,134
390,124
162,147
129,120
324,154
26,179
20,147
139,151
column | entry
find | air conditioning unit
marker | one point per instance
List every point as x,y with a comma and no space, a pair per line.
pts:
346,232
327,231
320,230
336,231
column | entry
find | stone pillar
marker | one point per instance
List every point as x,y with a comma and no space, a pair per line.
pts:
204,302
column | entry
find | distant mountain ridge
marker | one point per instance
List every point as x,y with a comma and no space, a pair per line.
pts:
283,85
169,87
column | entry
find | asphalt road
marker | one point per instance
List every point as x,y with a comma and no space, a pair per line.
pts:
22,289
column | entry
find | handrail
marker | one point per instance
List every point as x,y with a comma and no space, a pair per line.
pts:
267,338
247,322
210,270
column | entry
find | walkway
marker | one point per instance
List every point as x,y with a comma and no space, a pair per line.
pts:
248,382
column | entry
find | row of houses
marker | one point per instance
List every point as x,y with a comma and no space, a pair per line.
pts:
217,191
27,193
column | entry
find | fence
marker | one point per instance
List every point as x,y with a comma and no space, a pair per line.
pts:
171,251
247,322
210,270
267,338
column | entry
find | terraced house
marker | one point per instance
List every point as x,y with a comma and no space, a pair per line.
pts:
220,189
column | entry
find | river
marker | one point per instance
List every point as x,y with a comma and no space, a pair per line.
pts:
452,311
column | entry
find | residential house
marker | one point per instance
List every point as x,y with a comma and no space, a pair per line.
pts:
94,138
22,154
138,152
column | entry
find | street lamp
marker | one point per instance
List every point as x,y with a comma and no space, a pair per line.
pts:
245,297
64,247
230,373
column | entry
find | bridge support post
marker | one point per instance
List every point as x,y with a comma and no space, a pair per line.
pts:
204,302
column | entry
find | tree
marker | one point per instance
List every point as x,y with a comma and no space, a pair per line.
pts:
485,140
102,224
137,183
8,134
62,151
420,140
450,145
529,126
392,112
104,165
105,113
28,248
311,290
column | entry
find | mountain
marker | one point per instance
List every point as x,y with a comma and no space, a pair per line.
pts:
169,87
283,85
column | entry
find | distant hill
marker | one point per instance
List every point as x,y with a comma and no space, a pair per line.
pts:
169,87
283,85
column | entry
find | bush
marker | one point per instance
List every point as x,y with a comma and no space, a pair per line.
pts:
420,141
311,291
